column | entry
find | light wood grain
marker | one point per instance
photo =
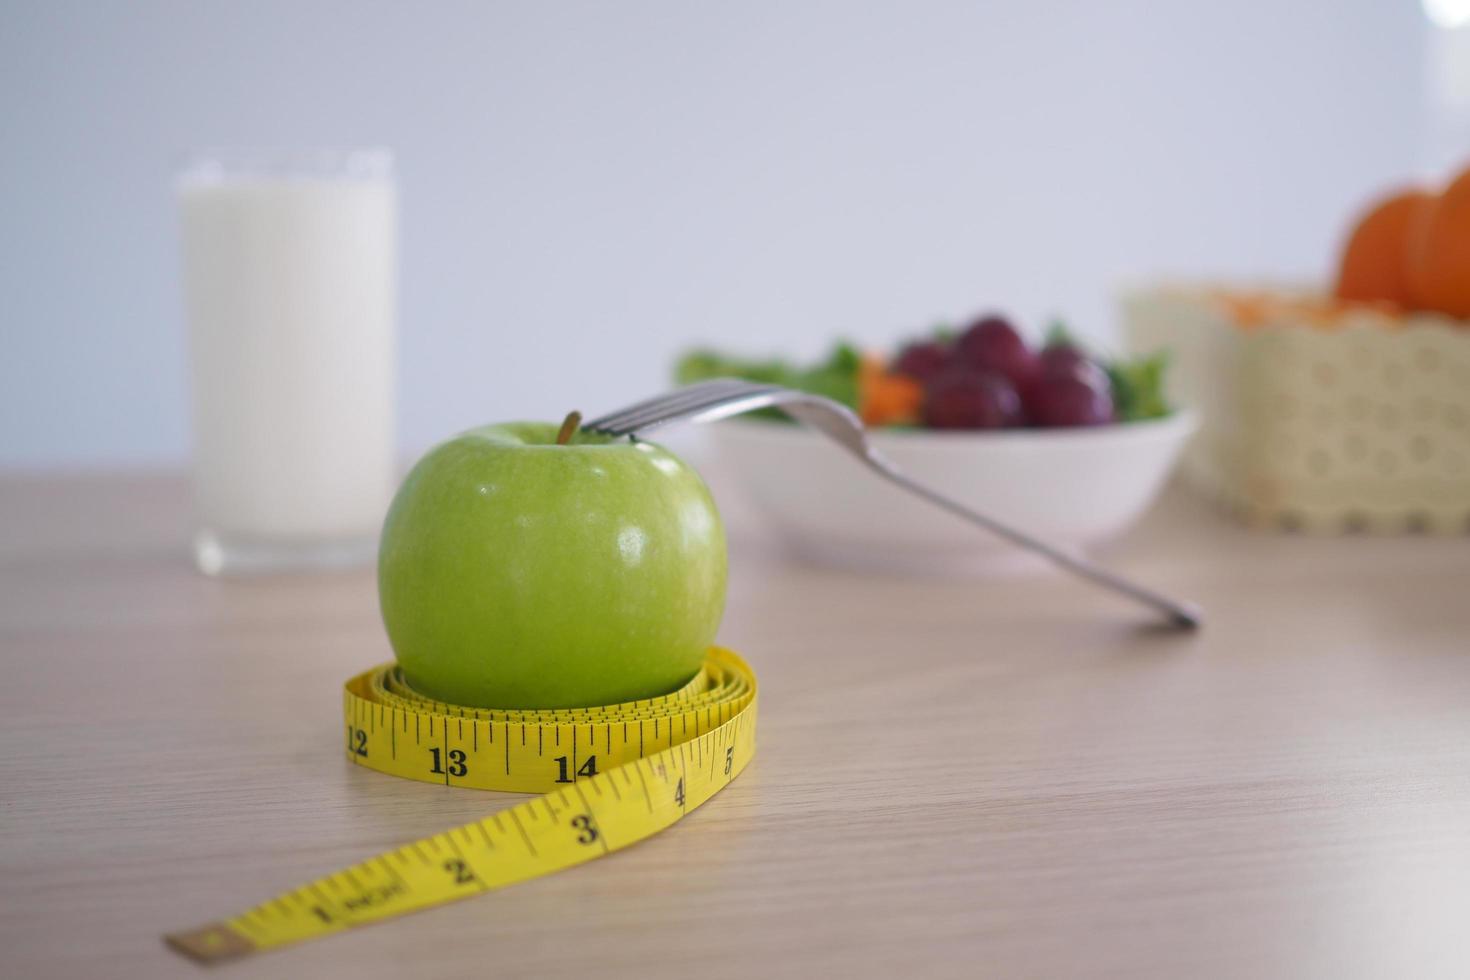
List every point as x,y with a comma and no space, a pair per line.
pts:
1057,792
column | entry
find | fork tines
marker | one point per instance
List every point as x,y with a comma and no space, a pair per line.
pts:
680,401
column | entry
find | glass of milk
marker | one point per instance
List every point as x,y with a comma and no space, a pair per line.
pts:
290,280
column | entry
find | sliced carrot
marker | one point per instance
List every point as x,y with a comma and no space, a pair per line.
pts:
885,398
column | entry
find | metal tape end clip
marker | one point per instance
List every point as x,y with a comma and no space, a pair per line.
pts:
213,943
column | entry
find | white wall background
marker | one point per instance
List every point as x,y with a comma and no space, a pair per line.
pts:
589,186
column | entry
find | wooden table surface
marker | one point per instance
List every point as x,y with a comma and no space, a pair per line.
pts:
1007,778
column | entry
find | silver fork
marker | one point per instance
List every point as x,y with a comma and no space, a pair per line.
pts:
710,401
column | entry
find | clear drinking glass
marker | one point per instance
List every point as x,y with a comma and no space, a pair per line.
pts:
290,282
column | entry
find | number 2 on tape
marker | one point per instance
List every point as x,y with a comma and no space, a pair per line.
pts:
610,776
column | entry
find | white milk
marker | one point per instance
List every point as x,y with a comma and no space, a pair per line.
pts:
289,283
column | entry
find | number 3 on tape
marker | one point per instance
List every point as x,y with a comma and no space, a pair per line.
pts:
610,776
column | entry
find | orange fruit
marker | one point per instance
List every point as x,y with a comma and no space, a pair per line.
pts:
1439,253
1375,263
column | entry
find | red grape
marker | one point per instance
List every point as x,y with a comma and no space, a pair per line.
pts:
923,360
992,344
963,399
1058,400
1065,359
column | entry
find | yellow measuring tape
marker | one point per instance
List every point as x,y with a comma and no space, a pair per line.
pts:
611,777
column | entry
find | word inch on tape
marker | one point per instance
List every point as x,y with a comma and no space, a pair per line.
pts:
609,777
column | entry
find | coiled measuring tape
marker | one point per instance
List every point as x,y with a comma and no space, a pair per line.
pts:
610,776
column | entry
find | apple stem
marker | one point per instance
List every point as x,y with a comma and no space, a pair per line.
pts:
569,427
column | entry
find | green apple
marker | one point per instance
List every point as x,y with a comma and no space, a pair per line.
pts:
519,572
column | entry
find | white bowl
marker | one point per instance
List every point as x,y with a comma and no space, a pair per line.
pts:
1074,487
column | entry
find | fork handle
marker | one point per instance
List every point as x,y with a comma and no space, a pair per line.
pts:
1182,615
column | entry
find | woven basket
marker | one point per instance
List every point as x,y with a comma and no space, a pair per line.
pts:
1317,416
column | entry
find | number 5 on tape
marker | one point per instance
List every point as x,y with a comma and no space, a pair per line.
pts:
610,776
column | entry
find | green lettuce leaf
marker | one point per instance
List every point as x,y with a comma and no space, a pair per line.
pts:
835,377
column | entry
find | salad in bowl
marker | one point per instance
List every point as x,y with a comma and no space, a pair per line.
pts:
1053,440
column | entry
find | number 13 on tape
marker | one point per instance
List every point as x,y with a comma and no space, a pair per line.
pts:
610,776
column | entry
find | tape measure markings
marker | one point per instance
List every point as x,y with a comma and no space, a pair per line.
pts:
582,804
